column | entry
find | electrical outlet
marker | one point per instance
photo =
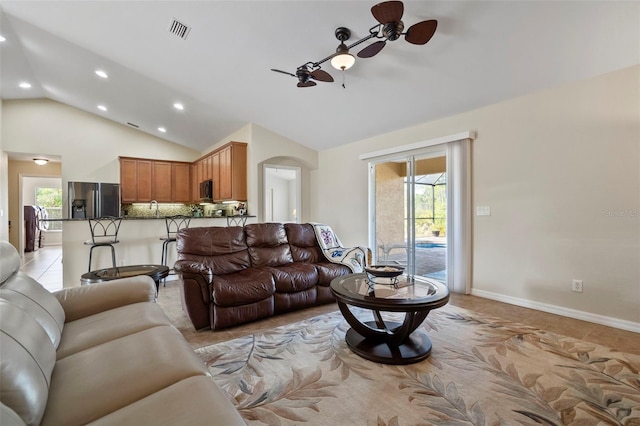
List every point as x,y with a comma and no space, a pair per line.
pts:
576,285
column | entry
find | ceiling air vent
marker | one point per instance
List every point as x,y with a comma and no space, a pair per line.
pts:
179,29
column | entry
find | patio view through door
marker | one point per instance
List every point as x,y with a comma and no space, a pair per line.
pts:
411,214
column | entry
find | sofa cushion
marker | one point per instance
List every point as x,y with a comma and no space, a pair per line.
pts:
327,271
268,244
223,249
251,285
27,359
303,243
105,326
294,277
118,373
25,292
207,405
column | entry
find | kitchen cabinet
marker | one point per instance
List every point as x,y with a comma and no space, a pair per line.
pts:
215,174
143,180
181,182
232,172
135,180
161,184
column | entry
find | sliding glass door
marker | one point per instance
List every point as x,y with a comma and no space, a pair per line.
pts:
420,208
410,205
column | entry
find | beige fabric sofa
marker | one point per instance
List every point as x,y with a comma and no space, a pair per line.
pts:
97,354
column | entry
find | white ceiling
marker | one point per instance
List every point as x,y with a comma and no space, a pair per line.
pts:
482,53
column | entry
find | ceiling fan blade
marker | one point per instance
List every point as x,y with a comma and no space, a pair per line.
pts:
388,11
283,72
321,75
372,49
307,84
421,32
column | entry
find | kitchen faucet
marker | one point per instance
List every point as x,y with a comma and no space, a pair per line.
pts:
151,206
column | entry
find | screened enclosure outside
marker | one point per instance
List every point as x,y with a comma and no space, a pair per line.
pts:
430,205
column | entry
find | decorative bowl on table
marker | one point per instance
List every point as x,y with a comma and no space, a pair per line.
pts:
384,271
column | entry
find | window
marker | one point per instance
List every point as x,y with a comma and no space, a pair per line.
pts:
51,199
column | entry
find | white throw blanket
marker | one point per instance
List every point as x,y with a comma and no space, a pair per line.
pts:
355,258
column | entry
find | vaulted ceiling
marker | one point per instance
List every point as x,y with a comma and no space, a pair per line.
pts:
482,53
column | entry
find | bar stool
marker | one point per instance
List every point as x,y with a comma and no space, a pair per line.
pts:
104,233
239,220
174,224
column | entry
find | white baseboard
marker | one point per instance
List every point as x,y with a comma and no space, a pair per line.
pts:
559,310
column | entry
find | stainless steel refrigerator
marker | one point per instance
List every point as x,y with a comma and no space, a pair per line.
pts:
93,199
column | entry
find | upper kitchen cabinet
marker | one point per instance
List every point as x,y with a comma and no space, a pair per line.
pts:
161,187
232,172
227,168
135,180
181,182
143,180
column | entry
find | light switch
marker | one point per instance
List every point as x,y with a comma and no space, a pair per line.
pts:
483,211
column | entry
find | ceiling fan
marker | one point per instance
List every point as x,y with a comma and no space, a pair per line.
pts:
389,28
307,73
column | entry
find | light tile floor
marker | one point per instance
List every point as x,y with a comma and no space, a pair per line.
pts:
45,266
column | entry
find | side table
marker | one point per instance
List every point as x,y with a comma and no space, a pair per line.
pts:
156,272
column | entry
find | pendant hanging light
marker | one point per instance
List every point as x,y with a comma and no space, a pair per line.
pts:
343,60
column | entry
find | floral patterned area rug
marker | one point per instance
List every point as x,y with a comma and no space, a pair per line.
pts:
482,371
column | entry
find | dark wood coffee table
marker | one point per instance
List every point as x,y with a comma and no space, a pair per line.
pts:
380,340
156,272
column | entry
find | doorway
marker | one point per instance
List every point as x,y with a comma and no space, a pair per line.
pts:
282,193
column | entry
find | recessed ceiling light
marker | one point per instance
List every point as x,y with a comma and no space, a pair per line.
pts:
162,129
178,105
102,107
2,38
25,85
102,74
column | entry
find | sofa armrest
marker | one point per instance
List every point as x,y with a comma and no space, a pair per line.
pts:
195,286
191,267
90,299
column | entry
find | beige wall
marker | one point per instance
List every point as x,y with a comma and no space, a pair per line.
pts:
560,171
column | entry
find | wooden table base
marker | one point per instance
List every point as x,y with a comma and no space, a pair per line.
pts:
415,348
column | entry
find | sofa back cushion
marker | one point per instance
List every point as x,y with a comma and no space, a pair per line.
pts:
303,242
25,292
268,244
27,358
223,249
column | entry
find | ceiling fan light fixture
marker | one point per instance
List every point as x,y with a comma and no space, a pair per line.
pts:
40,161
343,60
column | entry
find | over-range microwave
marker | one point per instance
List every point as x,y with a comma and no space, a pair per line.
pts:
206,190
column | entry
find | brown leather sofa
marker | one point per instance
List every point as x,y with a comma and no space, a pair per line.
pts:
233,275
97,354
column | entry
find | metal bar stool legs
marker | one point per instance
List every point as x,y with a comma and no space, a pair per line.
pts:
104,233
174,224
113,254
